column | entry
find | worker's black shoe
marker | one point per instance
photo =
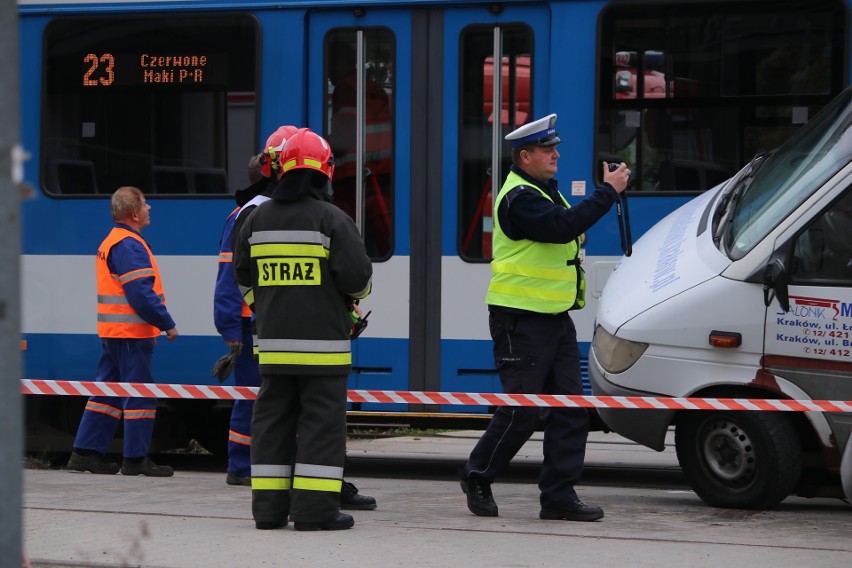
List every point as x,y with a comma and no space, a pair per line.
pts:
480,501
94,463
146,467
352,500
341,522
573,511
233,479
269,525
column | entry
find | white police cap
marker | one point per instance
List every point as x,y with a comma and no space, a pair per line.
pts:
541,132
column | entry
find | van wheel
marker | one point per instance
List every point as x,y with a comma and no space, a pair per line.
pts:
741,459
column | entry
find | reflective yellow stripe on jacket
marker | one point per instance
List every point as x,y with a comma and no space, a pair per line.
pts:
304,352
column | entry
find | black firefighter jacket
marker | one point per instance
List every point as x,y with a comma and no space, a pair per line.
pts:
303,261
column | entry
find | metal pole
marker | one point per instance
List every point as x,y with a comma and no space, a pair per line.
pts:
11,413
497,112
360,135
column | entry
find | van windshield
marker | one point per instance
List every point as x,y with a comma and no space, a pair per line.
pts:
790,175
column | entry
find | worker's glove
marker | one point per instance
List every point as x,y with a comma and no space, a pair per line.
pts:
225,364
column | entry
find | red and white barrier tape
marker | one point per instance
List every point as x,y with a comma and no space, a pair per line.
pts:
153,390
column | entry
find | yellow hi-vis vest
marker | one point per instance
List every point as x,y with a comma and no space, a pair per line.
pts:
528,275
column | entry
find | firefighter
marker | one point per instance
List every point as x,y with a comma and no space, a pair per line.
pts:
304,263
536,280
131,314
233,317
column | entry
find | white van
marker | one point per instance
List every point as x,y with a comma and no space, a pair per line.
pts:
744,292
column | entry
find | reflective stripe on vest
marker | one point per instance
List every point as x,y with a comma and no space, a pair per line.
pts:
116,317
529,275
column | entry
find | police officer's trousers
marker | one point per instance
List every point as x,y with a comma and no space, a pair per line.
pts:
246,374
535,354
300,480
129,361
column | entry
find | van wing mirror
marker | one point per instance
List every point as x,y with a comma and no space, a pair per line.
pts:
775,280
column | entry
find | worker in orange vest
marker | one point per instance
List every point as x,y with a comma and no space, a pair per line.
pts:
131,315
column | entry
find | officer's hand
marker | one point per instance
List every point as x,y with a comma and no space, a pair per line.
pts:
171,334
234,344
617,179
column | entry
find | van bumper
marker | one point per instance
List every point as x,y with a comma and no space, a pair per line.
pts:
646,427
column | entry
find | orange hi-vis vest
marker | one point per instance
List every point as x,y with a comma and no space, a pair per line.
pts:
116,318
378,143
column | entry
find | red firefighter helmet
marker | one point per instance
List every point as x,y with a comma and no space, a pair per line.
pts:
272,149
307,149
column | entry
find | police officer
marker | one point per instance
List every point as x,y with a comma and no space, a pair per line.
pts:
305,262
536,281
131,314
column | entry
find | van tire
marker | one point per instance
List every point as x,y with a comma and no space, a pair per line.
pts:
741,459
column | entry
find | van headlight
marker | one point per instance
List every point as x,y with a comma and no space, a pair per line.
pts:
616,355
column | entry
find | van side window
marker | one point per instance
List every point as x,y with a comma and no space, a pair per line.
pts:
823,253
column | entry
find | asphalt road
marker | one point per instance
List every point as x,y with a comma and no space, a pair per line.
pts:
194,519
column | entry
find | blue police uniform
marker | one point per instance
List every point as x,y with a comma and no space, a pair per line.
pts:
535,343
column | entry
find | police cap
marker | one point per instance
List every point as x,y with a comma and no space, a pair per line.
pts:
541,132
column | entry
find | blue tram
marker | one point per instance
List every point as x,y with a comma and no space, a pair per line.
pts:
174,96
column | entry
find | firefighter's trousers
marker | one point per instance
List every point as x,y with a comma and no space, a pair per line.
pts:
300,480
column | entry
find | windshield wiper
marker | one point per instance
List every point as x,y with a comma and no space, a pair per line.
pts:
724,213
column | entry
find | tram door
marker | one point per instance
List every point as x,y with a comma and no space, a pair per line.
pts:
408,101
359,100
484,43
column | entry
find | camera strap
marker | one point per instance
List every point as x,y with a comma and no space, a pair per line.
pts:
624,223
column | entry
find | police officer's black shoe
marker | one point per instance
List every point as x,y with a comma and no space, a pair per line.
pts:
480,501
94,463
350,499
572,511
146,467
269,525
341,522
233,479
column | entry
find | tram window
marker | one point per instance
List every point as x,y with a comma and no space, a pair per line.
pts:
376,100
163,103
476,119
689,93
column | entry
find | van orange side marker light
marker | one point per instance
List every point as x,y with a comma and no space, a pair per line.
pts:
725,339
